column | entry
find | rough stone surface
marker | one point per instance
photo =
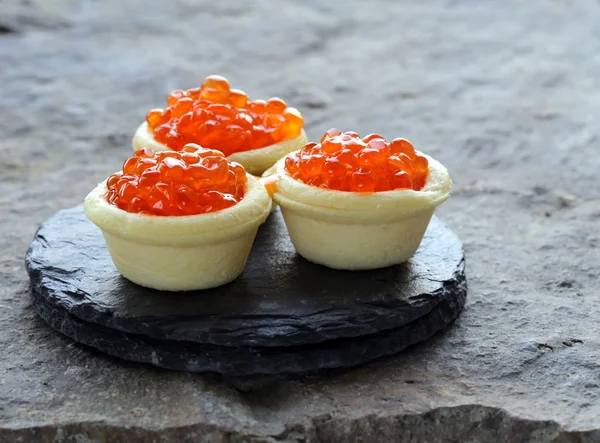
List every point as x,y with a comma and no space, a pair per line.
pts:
282,315
506,94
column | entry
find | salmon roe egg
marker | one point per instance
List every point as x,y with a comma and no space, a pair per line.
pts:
347,162
193,181
218,117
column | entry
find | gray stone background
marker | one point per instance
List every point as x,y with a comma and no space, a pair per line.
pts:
505,93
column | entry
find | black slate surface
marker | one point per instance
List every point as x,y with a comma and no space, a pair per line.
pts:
245,361
282,315
279,300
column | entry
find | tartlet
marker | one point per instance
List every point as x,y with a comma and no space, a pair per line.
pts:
345,211
253,133
182,232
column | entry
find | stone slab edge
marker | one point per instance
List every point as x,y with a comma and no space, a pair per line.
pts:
469,422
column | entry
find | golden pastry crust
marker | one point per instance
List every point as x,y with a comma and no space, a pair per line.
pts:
184,252
362,207
188,230
255,161
351,230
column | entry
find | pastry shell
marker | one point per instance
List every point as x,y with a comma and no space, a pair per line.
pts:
255,161
351,230
184,252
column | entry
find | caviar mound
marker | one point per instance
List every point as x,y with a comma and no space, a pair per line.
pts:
218,117
194,181
347,162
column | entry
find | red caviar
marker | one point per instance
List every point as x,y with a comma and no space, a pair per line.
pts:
346,162
194,181
218,117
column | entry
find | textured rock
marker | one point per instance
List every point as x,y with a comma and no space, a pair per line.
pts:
506,94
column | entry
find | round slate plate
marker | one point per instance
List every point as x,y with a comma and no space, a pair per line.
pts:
283,314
